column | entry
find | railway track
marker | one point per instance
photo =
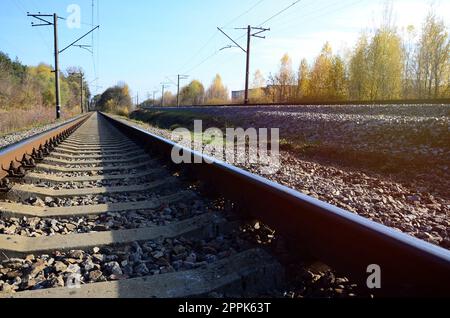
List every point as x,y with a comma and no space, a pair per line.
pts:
103,210
99,210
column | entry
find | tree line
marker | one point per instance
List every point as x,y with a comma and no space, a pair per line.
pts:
116,99
195,93
33,87
385,64
27,94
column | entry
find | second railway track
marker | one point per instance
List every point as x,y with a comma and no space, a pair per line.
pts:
104,213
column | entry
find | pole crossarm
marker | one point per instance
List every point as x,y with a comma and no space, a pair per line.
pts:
40,18
163,85
39,15
231,39
41,24
84,47
80,38
227,47
261,30
180,77
256,34
167,77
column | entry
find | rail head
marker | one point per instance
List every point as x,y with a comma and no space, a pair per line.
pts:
348,242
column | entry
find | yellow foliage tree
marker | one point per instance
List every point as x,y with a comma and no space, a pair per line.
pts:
320,74
217,93
385,65
257,94
303,80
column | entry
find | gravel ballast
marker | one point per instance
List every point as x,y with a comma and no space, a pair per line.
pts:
16,137
409,207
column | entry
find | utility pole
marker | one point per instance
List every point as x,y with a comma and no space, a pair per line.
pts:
81,92
247,52
164,85
44,22
81,76
178,87
57,88
154,92
247,66
42,18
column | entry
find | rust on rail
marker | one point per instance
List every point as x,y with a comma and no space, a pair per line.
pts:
22,155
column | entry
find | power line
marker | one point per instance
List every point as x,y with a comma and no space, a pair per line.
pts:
294,12
247,51
244,13
180,77
82,37
43,21
92,40
203,61
84,23
243,35
201,49
164,85
280,12
300,15
215,34
21,8
92,21
98,41
272,17
321,12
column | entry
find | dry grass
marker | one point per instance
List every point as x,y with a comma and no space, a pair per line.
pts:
20,119
122,111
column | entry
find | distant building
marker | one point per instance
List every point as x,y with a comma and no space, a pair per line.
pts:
273,92
239,96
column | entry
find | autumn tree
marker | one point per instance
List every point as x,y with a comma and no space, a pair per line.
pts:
359,70
217,93
30,92
116,99
409,63
282,84
303,81
169,99
257,93
385,65
433,59
192,94
338,89
320,83
74,82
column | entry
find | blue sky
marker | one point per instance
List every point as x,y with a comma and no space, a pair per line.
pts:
142,42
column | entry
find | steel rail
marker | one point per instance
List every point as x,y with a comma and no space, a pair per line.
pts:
345,241
440,101
14,153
